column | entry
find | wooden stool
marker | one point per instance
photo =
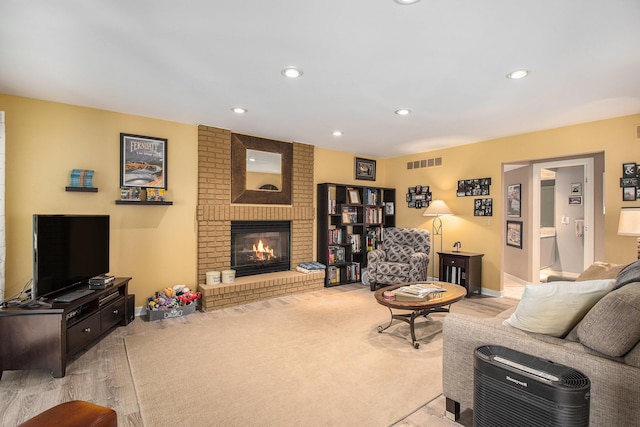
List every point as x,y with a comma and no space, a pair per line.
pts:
75,413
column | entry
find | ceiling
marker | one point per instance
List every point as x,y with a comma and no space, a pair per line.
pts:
445,60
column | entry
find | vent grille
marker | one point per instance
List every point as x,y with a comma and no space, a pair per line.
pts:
425,163
638,132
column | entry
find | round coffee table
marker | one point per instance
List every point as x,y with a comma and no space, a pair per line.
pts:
442,304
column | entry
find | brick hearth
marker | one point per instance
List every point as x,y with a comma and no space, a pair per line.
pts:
215,213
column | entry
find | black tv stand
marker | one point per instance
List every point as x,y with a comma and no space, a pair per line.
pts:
35,304
46,334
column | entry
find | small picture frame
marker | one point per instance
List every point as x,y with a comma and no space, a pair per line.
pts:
365,169
143,161
389,208
514,202
514,234
629,182
576,189
354,196
575,200
629,194
629,170
483,207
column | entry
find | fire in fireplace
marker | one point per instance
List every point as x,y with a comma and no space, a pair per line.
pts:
260,247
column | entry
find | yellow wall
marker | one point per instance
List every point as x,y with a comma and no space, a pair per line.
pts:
616,137
156,245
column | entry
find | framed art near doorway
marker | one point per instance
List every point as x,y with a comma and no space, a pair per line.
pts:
514,234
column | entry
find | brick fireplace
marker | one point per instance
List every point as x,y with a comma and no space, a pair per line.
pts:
215,213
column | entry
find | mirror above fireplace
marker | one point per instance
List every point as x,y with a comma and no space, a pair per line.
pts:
264,171
244,181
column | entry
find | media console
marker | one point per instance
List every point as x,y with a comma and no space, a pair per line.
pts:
45,338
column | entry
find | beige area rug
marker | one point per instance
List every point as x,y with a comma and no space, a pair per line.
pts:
318,362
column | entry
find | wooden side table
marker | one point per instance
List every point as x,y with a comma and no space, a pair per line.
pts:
462,268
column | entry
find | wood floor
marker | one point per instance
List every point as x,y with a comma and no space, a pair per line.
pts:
102,375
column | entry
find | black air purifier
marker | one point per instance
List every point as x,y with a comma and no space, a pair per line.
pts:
516,389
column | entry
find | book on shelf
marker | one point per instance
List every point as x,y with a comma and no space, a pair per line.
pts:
349,215
336,254
353,272
372,196
335,236
374,238
374,215
333,274
332,207
356,243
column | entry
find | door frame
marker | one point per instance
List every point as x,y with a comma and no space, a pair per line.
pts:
588,200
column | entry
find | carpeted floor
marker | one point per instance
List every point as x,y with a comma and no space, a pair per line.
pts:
315,362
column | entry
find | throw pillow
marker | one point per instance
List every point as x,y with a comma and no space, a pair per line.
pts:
600,270
554,308
629,274
611,326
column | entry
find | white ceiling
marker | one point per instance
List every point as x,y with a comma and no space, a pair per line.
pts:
446,60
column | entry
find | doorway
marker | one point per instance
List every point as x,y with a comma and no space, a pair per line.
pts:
565,247
572,226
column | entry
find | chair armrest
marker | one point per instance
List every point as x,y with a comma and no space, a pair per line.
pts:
375,256
419,263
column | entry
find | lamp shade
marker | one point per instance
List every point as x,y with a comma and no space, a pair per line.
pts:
629,224
437,208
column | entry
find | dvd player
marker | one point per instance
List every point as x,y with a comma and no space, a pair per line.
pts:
102,279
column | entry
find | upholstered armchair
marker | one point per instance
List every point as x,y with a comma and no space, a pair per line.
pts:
404,257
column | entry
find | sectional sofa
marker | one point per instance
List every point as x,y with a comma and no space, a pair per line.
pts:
603,344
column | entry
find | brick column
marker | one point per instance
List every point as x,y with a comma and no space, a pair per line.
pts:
215,211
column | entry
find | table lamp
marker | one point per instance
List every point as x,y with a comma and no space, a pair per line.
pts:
629,224
437,208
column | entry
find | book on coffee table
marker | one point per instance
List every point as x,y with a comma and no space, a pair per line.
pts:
418,292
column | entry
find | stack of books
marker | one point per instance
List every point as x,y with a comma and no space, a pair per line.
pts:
419,292
81,178
310,267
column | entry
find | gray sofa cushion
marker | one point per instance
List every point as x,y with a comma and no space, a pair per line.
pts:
629,274
611,327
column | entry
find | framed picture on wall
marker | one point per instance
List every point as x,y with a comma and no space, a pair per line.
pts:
514,205
365,169
629,170
143,161
629,194
514,234
575,200
576,189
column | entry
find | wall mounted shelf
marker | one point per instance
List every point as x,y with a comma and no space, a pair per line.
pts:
139,202
82,189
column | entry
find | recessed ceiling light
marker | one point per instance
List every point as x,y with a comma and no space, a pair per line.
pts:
292,72
239,110
403,111
337,133
518,74
406,1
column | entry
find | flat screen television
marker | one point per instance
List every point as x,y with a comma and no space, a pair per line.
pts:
67,251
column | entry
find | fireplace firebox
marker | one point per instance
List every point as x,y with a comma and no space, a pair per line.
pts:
260,247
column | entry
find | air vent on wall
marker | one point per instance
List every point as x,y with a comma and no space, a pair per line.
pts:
426,163
638,132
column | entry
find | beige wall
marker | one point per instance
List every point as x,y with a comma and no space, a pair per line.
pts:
616,137
156,245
